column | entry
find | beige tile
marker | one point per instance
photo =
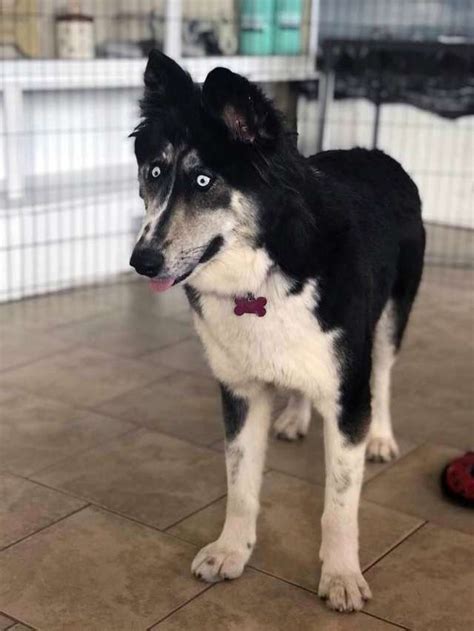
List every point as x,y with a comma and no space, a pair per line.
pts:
289,531
433,396
151,477
36,432
18,346
256,602
44,312
95,571
124,333
181,404
427,582
435,405
188,355
413,486
438,419
83,376
26,507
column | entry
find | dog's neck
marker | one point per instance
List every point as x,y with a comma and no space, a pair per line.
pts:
238,270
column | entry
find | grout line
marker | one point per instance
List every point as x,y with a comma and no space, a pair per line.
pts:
315,593
206,588
390,622
53,523
75,454
138,426
166,346
394,547
395,462
4,371
140,357
95,504
14,622
214,501
46,486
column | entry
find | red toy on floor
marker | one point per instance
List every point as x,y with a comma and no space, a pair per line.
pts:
457,479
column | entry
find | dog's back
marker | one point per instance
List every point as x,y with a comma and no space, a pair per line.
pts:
385,222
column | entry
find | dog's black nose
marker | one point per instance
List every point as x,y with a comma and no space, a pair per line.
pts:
147,261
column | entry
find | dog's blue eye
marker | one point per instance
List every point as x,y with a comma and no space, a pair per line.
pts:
203,181
155,172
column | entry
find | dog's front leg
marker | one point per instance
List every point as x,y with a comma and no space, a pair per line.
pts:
342,583
247,420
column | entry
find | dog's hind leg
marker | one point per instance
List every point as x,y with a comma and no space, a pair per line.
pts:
294,420
381,445
247,416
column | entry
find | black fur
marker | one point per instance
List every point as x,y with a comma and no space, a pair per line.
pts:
349,219
235,410
212,249
194,299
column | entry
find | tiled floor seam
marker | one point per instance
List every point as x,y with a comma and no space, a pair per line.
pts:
4,371
81,452
107,509
32,534
170,613
14,622
394,463
141,357
166,347
135,428
198,510
394,547
111,510
387,621
314,593
96,409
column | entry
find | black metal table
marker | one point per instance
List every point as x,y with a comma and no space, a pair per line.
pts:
434,75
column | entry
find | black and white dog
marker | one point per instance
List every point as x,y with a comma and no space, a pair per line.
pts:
301,273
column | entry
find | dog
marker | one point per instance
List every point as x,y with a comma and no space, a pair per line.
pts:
301,274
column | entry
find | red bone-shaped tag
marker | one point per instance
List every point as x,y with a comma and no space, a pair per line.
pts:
249,304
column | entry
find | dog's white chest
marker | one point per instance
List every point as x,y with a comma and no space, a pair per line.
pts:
286,346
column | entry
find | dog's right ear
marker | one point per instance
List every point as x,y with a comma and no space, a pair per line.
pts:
166,84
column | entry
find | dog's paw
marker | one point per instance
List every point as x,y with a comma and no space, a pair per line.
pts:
344,592
291,425
217,562
381,448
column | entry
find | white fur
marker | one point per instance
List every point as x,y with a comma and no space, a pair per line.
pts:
288,349
381,445
294,420
341,583
245,455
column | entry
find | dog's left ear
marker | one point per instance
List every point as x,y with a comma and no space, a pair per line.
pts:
167,85
246,112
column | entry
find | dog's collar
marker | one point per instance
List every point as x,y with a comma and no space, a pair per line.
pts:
250,304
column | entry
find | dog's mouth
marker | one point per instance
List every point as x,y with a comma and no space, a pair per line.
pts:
158,285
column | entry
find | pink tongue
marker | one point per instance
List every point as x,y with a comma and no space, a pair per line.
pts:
161,284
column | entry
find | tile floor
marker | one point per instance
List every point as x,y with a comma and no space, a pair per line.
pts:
112,476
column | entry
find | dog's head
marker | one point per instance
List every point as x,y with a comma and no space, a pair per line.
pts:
203,161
